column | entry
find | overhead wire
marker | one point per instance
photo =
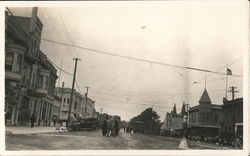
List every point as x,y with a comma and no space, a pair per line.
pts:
135,59
149,61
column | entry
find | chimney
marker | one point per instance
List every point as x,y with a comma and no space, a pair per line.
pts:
33,20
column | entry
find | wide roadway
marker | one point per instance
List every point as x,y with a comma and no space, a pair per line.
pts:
93,140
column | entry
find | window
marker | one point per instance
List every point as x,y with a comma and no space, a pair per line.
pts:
35,47
30,75
215,118
207,117
64,100
32,47
203,117
45,82
9,61
39,81
19,63
24,74
33,79
67,101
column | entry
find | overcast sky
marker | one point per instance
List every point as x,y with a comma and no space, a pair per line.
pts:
200,36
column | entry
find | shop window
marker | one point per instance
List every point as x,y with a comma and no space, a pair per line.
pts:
9,61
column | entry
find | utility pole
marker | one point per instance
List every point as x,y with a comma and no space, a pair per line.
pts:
86,102
233,91
72,91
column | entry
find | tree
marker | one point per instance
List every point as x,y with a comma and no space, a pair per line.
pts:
150,120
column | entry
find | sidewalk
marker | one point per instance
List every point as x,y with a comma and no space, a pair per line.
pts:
28,130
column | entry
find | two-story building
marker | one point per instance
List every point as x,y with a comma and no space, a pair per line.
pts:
90,108
232,118
29,76
205,118
174,121
78,104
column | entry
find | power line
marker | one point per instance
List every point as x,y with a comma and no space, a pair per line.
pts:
133,103
135,59
207,76
127,57
59,67
148,51
71,40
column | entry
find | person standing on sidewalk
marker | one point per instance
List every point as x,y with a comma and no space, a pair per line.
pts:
32,120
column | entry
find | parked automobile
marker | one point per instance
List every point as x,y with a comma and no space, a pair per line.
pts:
88,124
74,126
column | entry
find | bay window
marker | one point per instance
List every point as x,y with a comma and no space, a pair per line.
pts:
9,61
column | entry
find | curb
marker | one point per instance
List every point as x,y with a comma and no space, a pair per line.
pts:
32,133
8,132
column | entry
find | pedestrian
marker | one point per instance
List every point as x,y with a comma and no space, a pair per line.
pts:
105,126
54,122
110,127
124,128
39,121
54,118
116,128
32,120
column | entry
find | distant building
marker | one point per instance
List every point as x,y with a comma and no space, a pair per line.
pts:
205,118
78,104
56,107
232,116
90,108
29,76
173,122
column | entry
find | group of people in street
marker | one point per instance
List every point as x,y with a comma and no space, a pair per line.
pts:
110,127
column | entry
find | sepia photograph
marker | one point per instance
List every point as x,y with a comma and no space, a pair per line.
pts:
126,76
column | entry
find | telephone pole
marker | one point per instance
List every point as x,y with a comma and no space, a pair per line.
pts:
233,91
86,102
72,90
